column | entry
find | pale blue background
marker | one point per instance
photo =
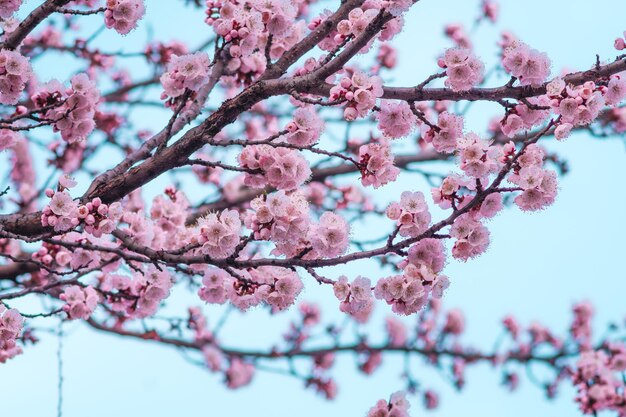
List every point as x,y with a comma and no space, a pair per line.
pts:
537,266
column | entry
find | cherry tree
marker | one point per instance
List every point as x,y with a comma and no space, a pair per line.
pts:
283,134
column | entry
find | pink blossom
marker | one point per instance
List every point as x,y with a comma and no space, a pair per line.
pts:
329,237
282,218
463,69
414,217
376,162
305,128
15,71
528,65
478,159
620,43
11,323
396,331
457,33
239,373
80,302
62,204
428,252
449,130
213,357
398,406
455,322
76,106
279,167
491,205
563,131
539,185
8,139
472,237
123,15
395,119
360,92
214,286
615,90
186,72
219,234
490,10
8,7
356,298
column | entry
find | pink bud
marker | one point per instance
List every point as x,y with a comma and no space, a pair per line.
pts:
103,210
394,211
291,126
83,211
350,114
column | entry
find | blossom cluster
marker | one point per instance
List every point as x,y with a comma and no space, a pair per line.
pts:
448,131
55,257
71,110
140,295
358,20
421,279
280,167
539,185
186,72
472,237
359,91
277,287
356,23
239,373
600,388
11,323
395,119
219,233
477,158
8,139
80,302
398,406
411,214
123,15
330,236
522,117
463,69
63,213
376,164
528,65
356,297
282,218
246,26
8,7
580,105
305,128
458,34
15,71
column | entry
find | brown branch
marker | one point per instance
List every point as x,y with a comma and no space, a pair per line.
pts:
15,38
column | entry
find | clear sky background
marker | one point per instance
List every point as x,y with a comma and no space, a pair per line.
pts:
536,267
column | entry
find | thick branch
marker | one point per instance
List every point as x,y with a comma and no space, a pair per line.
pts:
15,38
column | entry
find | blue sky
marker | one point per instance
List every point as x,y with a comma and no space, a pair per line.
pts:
536,267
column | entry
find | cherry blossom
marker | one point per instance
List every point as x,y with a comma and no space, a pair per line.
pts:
291,160
15,70
123,15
